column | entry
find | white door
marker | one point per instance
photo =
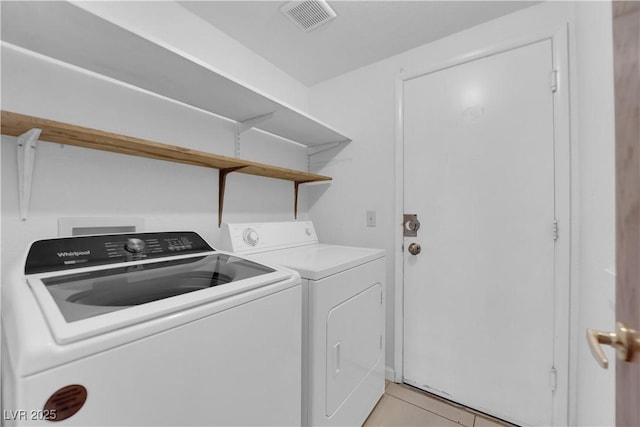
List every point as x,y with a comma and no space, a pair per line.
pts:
479,173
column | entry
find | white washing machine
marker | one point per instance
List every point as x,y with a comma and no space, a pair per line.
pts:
342,315
146,330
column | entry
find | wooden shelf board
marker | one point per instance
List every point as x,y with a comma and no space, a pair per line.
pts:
15,124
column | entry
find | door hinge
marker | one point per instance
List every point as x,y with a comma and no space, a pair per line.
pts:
380,342
554,80
381,297
555,229
553,379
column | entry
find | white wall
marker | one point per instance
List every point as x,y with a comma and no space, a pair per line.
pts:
77,182
362,104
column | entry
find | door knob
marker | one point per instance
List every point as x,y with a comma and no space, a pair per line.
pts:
414,248
626,341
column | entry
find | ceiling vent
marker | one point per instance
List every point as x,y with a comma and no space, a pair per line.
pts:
309,14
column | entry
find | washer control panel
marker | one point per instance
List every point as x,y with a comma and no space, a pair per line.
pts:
87,251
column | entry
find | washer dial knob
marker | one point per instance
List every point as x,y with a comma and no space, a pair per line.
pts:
250,236
135,246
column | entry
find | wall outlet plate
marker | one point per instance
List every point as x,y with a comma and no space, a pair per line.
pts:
371,218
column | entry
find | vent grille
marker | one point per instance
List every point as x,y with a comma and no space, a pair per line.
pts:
65,402
309,14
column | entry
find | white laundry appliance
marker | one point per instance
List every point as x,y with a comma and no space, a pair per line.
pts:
342,315
149,329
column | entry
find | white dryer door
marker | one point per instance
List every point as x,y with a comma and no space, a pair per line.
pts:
354,344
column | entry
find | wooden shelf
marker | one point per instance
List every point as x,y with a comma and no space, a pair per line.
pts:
68,33
15,124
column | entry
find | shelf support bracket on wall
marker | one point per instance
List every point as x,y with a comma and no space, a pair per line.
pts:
222,181
296,184
26,158
312,151
245,125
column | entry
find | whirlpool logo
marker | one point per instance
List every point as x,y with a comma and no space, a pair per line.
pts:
73,254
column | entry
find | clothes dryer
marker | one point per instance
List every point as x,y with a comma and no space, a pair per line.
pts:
342,315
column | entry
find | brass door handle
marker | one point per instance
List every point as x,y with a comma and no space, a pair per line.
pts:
626,341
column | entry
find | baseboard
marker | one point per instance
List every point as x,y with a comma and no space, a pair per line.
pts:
390,373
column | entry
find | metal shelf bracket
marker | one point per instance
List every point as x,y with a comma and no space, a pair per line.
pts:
26,158
222,182
296,184
245,125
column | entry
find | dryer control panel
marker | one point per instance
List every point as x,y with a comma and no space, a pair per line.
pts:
88,251
255,237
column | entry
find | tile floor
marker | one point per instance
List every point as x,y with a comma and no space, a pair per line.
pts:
402,405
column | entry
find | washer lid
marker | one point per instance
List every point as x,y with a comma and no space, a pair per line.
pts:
315,262
91,301
92,293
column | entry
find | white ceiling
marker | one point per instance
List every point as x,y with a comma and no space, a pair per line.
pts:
364,31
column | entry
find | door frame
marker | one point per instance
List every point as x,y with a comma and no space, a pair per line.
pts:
566,271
